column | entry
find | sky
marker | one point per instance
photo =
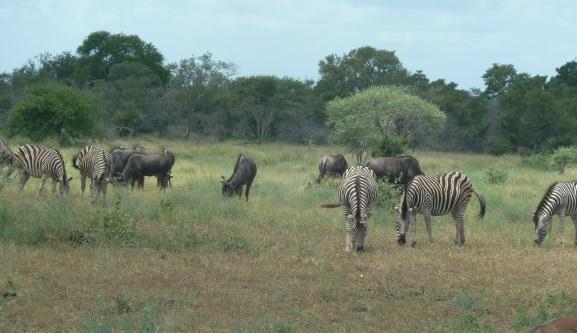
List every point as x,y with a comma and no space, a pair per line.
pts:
452,40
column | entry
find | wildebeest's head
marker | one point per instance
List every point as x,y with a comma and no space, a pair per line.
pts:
228,188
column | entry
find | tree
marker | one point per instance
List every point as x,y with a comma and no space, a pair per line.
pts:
498,78
362,120
50,107
357,70
263,102
101,50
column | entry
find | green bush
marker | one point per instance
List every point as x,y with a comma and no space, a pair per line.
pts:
49,107
496,176
389,194
563,156
390,146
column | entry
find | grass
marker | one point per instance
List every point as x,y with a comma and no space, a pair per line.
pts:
191,260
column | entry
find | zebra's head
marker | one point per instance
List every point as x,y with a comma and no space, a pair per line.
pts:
542,223
403,221
5,153
65,186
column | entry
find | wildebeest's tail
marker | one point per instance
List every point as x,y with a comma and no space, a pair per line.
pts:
332,205
482,204
322,170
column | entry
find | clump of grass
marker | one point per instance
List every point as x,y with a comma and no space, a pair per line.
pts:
496,176
464,301
113,225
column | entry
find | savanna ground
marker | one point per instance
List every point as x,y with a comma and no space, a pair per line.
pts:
191,260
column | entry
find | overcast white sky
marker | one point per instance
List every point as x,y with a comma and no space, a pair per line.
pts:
455,40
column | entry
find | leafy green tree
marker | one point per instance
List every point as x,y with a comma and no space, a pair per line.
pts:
50,107
498,78
361,121
102,50
264,102
361,68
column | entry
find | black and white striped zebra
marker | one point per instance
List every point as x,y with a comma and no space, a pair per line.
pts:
434,196
95,163
560,199
38,161
358,194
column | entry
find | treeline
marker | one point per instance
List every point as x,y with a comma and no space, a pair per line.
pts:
116,84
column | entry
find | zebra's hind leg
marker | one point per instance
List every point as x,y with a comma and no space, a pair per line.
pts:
458,213
82,184
24,176
349,243
94,188
413,230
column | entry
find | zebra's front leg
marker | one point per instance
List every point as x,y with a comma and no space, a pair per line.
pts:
94,188
82,184
561,228
360,233
23,179
429,229
574,218
41,187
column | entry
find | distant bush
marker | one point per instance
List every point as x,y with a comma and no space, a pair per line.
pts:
563,156
389,194
390,146
50,107
537,161
496,176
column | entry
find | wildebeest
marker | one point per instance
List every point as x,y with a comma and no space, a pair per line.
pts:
120,156
140,165
244,173
402,168
332,165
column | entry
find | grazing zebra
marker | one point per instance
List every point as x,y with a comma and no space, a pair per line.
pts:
435,196
561,199
357,195
42,162
93,162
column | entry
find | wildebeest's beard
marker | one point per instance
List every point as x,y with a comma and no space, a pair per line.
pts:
229,190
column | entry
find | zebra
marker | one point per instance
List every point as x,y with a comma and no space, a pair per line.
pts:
38,161
93,162
358,194
560,198
434,196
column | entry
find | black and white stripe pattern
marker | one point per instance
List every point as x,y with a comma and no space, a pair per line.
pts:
435,196
95,163
560,199
41,162
358,194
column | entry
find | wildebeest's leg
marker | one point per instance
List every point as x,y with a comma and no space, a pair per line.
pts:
561,227
42,182
82,184
24,176
248,185
458,213
140,184
429,228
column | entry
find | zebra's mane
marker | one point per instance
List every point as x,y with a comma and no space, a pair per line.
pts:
543,201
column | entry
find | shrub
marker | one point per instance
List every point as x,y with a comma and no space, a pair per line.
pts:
496,176
50,107
389,194
390,146
563,156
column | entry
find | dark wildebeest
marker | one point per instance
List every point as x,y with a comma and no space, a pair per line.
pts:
332,165
402,168
244,173
120,156
141,165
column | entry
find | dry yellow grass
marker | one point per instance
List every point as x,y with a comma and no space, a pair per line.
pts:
278,264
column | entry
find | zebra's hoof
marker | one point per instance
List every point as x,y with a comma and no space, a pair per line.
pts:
401,240
360,249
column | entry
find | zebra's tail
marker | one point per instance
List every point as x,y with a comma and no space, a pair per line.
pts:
482,204
404,207
74,158
332,205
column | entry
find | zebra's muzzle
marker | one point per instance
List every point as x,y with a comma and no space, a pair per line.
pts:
402,240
